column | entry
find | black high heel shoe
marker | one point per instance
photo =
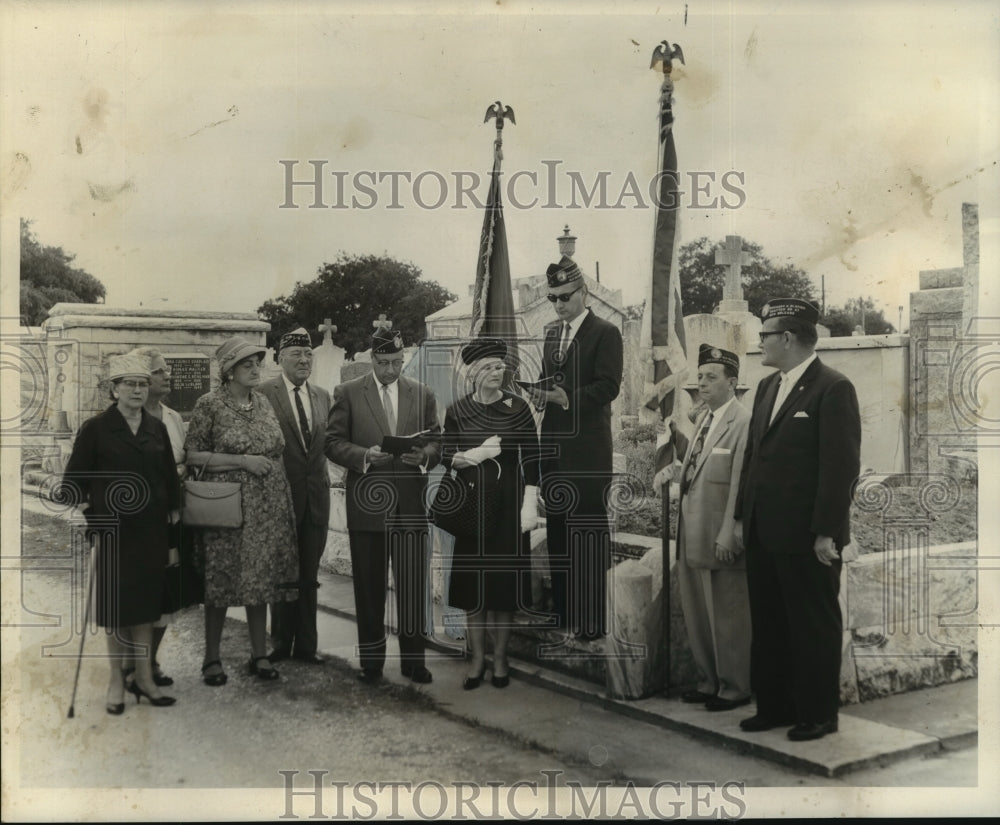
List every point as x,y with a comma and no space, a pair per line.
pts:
472,682
155,701
115,710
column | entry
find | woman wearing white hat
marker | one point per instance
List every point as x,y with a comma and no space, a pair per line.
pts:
123,467
235,435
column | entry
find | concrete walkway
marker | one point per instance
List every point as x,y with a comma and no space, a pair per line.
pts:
872,735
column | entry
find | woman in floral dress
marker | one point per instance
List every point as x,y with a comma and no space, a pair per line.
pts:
235,435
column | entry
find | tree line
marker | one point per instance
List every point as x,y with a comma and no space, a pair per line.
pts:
354,290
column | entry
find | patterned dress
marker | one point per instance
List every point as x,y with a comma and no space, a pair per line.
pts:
258,562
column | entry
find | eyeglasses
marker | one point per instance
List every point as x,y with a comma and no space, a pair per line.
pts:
564,297
135,385
764,335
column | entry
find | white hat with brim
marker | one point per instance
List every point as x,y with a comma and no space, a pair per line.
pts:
120,366
234,350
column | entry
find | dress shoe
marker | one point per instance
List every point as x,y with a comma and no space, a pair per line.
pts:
370,677
213,679
696,697
115,709
758,723
718,703
279,654
308,658
805,731
155,701
500,681
472,682
265,674
418,674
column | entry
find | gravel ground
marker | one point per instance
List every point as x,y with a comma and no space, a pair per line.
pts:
239,735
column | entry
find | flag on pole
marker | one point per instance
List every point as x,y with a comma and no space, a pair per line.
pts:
493,302
663,318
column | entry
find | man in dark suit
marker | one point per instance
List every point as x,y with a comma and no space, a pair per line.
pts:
302,409
386,514
793,514
711,573
582,371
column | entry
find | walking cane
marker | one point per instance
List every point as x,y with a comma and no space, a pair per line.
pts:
86,622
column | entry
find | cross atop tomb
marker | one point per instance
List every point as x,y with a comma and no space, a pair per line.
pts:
731,254
327,328
382,322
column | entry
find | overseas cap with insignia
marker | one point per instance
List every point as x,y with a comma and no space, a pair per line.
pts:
386,341
121,365
564,272
790,308
296,338
707,354
484,348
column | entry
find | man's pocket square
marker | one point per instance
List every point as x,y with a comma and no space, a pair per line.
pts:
801,414
721,451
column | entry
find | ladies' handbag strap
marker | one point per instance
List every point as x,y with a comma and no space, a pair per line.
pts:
203,466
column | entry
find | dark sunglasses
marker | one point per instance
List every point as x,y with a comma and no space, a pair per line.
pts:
764,335
564,297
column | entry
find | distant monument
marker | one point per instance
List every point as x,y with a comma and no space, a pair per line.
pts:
328,358
733,326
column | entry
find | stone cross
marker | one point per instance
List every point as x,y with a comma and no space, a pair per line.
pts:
733,256
382,322
328,327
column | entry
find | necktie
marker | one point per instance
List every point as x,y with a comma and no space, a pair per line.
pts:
779,398
303,421
390,415
699,445
564,341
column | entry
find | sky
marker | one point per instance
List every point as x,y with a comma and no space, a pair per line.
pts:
148,139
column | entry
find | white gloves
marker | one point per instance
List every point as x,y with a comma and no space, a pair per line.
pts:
666,474
490,448
529,509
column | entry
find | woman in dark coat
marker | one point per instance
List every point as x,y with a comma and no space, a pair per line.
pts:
123,468
494,431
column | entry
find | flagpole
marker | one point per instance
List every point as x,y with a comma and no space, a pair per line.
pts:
493,303
662,328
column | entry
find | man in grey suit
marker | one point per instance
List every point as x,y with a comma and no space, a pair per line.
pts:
386,513
302,410
711,570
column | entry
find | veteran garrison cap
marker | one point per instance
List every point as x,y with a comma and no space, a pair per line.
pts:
790,308
484,348
386,341
296,338
707,354
564,272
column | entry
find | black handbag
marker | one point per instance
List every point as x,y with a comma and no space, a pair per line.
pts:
467,503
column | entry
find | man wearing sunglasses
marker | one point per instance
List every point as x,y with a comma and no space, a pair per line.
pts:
793,515
581,375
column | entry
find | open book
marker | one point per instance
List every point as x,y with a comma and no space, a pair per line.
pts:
547,383
399,444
